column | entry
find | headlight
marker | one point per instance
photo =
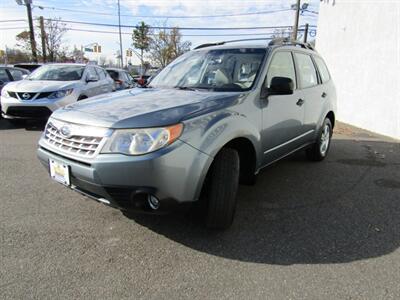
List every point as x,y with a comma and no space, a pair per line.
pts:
5,94
60,94
142,141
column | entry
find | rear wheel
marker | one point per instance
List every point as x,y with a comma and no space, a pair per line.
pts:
320,148
221,188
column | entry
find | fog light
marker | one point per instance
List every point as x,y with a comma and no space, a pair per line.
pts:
154,203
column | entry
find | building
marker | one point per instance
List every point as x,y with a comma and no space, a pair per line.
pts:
360,41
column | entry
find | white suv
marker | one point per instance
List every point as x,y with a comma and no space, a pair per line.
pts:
50,87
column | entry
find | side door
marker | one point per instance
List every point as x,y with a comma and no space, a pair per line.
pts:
282,114
92,82
312,92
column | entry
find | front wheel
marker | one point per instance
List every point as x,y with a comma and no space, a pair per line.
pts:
320,148
221,189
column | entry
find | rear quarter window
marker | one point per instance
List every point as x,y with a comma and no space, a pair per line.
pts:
307,71
323,69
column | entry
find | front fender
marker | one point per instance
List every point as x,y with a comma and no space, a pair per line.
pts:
209,133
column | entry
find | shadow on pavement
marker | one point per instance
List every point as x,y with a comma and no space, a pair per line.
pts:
344,209
30,125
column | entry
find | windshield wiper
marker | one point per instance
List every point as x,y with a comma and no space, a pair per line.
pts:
185,88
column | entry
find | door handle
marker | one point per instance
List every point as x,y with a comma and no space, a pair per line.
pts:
324,95
300,102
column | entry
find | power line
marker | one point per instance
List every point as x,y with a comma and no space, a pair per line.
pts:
168,27
165,16
10,21
186,35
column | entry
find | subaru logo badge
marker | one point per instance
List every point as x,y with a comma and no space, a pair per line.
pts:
65,131
26,96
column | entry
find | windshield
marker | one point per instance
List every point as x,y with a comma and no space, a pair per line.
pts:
58,73
218,70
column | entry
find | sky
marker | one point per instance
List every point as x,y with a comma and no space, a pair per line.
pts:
153,12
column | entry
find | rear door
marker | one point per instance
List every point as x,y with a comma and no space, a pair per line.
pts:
282,114
312,92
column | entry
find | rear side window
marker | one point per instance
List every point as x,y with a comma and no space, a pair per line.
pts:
323,70
308,74
281,66
113,74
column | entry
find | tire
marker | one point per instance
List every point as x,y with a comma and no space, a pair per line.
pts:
319,150
221,189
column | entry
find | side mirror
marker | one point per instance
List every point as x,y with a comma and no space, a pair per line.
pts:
92,78
1,82
281,86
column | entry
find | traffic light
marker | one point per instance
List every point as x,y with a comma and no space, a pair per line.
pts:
98,49
129,53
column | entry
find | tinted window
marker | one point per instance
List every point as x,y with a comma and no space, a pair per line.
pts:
113,74
16,74
57,72
4,75
323,70
308,74
281,66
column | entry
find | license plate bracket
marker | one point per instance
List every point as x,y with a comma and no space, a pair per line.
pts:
59,172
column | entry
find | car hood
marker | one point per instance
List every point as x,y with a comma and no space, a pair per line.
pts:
36,86
143,107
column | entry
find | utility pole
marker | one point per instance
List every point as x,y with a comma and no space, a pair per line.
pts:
43,35
296,21
306,33
120,35
28,3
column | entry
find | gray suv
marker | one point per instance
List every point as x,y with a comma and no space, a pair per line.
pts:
210,120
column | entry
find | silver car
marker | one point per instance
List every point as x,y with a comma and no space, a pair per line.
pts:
208,121
50,87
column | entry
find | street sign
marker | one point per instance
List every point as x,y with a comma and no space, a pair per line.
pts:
88,49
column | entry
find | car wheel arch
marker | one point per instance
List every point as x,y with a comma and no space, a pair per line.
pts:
247,155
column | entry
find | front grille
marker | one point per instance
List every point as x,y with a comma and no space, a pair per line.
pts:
29,96
29,111
26,96
80,145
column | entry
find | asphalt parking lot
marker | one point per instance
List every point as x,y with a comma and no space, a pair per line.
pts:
327,230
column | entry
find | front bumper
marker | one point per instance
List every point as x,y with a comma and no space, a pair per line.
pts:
12,108
174,175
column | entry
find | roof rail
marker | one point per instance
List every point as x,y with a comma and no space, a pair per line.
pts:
288,41
273,42
230,41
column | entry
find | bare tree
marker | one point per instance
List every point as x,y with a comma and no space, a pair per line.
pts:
55,30
166,46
